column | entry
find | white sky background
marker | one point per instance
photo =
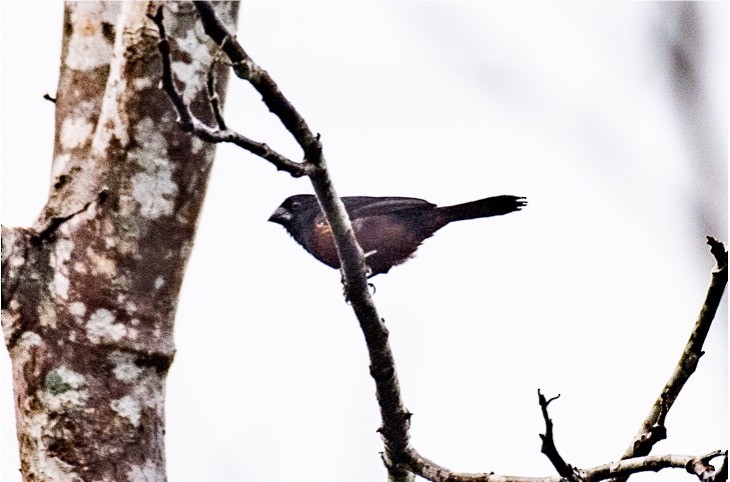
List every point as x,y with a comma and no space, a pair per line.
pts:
590,292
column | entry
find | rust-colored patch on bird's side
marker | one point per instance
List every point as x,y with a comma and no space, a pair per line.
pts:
325,245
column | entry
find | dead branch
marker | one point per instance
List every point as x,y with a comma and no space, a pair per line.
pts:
695,465
190,123
653,428
394,429
399,456
548,448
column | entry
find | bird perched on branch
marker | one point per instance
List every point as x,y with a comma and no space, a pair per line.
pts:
388,229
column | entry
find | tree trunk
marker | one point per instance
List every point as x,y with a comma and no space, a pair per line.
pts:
90,291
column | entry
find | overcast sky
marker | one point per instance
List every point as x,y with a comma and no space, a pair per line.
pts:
589,292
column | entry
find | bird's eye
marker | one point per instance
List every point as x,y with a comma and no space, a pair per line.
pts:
296,205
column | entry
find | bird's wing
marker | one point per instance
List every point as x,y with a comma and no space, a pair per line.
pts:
362,206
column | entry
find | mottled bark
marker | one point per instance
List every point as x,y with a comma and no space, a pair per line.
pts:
90,291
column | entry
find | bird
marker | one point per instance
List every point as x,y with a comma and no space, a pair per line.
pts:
388,229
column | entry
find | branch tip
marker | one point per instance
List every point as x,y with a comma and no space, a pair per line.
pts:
717,249
701,467
721,475
544,402
653,427
157,18
548,448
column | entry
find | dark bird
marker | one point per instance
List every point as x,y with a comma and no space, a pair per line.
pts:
388,229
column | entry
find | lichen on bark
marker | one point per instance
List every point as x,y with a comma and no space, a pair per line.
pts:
92,286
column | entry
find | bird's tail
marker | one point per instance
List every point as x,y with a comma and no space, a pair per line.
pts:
491,206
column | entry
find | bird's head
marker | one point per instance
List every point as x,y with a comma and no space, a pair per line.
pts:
298,206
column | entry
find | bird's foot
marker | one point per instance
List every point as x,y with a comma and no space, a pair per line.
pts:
371,286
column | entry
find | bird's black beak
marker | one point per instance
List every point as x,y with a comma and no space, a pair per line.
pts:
280,216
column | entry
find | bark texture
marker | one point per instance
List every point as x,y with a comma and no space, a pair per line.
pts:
90,291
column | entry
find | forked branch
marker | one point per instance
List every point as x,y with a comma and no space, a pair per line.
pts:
564,469
653,428
190,123
382,366
400,457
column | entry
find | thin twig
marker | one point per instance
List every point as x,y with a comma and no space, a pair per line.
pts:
394,416
189,123
722,473
548,443
245,68
215,102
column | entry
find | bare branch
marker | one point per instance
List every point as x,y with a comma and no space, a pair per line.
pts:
653,429
700,466
215,102
696,465
189,123
548,443
396,474
399,457
717,249
247,69
395,418
168,82
722,473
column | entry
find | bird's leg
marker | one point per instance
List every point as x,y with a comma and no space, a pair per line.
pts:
368,273
368,269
